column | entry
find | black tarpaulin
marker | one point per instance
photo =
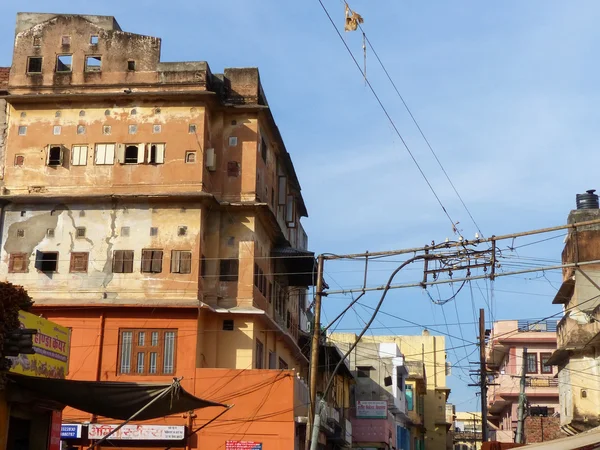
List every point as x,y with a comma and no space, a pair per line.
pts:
112,399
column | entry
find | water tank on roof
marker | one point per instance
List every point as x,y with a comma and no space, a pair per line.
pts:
589,200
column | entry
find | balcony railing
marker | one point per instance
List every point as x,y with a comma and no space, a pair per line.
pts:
529,326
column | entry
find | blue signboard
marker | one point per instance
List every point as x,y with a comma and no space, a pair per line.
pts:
70,431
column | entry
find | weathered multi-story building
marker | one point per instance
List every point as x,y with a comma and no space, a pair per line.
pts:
416,389
154,209
429,351
578,352
504,357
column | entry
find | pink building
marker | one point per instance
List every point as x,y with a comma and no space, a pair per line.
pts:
504,357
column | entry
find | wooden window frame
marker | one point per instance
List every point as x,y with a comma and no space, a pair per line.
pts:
73,264
178,264
147,348
122,261
259,356
11,262
152,260
546,370
535,355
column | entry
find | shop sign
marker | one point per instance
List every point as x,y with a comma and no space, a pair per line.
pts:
243,445
51,347
55,426
70,431
371,409
137,432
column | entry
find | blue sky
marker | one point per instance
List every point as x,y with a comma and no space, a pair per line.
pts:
505,92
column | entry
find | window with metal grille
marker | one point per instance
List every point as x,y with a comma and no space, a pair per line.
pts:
532,363
152,261
80,232
18,262
229,269
544,357
79,262
181,261
147,352
122,261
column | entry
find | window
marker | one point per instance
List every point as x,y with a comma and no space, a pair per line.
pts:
233,169
22,130
544,357
156,155
63,63
134,154
282,191
37,41
263,149
272,360
409,397
79,262
105,154
229,269
80,232
79,155
55,156
192,128
147,352
66,40
363,371
259,360
181,261
228,325
156,128
133,112
203,266
17,262
94,40
182,231
93,63
80,129
57,114
289,210
125,231
50,233
106,129
153,231
56,130
532,363
282,364
46,261
190,157
20,232
19,160
34,64
131,65
132,129
152,261
82,113
233,141
122,261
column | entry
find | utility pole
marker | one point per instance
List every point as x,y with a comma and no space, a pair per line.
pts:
314,350
522,398
483,376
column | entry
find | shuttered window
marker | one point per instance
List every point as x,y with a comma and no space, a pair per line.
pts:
79,262
79,155
18,262
105,154
152,261
181,261
156,155
123,261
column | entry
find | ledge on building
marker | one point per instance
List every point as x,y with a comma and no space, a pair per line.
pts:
565,292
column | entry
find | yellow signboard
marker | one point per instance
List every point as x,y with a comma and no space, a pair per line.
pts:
51,345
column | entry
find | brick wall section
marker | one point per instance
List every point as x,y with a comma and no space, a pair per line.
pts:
542,429
4,71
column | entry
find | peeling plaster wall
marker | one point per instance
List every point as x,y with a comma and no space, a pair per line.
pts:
579,393
3,126
103,225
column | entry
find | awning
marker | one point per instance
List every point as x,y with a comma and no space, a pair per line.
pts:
565,292
112,399
298,266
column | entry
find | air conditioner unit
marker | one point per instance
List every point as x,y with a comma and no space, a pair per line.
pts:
211,160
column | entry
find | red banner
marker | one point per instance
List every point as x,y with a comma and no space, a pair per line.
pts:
55,427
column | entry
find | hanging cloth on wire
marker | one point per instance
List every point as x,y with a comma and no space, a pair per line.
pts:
353,19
